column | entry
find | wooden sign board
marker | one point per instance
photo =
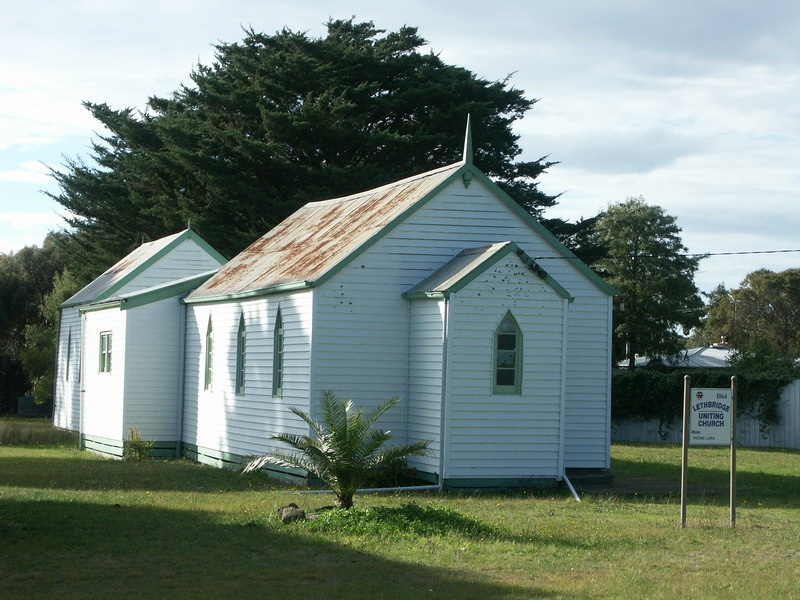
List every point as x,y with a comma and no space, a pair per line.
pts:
710,416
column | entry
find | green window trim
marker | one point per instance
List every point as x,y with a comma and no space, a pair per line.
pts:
277,355
209,356
507,363
241,339
105,352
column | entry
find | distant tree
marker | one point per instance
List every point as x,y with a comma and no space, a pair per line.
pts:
344,451
26,286
647,263
16,307
41,337
280,120
761,316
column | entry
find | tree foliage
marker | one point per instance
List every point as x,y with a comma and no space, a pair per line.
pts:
647,263
344,451
41,337
26,280
761,317
280,120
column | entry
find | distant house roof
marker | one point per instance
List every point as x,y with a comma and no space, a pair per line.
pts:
115,278
706,357
320,238
468,264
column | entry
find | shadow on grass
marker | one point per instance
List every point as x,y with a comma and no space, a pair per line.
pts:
73,549
77,470
658,478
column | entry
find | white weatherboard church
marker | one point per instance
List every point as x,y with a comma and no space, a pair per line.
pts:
438,289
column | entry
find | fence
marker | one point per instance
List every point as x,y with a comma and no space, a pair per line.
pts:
784,434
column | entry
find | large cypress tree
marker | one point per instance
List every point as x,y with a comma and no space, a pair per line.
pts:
280,120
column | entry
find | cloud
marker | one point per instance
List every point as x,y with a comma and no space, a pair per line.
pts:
27,172
18,229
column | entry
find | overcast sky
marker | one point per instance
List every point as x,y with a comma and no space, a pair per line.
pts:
693,105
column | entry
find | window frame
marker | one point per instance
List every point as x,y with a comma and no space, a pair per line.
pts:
105,352
501,332
278,343
241,347
208,370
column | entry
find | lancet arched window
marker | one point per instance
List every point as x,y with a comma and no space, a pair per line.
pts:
507,357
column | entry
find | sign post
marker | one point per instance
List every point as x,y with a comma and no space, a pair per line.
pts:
687,382
709,419
733,452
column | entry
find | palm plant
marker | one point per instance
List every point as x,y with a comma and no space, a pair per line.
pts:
344,450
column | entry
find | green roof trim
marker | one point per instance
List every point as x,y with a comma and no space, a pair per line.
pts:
100,306
275,289
388,228
165,291
185,235
460,172
552,240
106,285
491,256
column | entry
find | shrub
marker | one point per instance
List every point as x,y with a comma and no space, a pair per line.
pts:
135,448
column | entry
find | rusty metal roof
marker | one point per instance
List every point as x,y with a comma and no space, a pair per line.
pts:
465,266
311,243
123,271
459,268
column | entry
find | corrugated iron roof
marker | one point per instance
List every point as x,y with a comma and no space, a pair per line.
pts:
126,267
459,267
318,237
468,264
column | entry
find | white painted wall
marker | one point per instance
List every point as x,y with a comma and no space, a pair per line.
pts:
241,424
185,260
492,435
360,308
152,370
103,395
426,353
66,402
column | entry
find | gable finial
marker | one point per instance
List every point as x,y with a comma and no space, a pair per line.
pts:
467,159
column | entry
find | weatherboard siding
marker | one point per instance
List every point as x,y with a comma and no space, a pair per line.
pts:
66,405
185,260
456,219
152,372
588,391
360,320
492,435
426,345
223,421
104,392
361,343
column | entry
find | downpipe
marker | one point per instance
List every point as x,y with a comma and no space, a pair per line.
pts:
571,487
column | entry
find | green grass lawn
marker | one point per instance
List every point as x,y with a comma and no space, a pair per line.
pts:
73,525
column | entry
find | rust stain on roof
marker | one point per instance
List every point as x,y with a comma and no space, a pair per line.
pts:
121,269
318,236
